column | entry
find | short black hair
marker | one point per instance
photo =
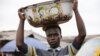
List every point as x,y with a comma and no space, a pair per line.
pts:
51,26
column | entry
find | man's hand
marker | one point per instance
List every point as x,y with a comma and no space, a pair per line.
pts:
75,5
21,14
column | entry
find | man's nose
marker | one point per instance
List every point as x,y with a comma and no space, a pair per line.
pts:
52,37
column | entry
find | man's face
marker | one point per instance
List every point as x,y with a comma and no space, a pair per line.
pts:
53,37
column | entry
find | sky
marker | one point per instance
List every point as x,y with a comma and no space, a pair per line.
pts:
89,11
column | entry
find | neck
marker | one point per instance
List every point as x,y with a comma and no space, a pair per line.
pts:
53,47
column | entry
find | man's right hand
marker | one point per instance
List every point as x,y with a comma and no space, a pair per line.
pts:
75,5
21,14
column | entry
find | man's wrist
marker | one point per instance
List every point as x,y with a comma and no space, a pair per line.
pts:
22,20
75,10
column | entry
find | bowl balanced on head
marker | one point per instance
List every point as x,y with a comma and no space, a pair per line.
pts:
49,12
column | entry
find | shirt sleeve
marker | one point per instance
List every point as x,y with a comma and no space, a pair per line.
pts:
72,50
31,51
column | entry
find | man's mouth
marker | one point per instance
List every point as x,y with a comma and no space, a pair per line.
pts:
53,42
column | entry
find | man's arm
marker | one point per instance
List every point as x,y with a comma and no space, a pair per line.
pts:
20,32
81,27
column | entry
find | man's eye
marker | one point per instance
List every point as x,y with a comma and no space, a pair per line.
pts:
49,35
55,34
52,35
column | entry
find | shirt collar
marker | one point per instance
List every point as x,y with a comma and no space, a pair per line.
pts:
58,48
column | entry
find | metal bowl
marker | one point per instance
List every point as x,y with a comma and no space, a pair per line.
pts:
49,12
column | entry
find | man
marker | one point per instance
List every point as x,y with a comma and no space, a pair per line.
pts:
53,33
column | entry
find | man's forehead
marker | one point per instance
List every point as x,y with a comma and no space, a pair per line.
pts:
52,31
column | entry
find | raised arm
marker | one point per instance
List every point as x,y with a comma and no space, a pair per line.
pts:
80,25
20,32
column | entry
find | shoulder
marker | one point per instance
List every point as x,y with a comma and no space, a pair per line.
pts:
32,51
71,49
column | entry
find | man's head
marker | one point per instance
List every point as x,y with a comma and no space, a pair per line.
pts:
53,33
